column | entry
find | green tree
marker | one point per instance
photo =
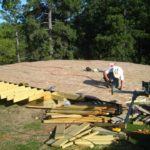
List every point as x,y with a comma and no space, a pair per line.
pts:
12,13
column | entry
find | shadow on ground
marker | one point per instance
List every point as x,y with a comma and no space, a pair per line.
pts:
96,83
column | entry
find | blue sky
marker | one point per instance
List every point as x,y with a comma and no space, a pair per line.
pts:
22,1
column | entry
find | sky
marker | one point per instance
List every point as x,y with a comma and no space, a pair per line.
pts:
1,20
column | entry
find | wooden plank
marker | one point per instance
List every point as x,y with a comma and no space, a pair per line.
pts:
73,120
36,96
7,87
103,131
55,115
60,128
60,142
68,95
11,95
83,142
58,97
80,112
100,137
67,145
90,135
101,142
42,104
76,131
24,95
71,128
70,132
47,95
80,107
81,134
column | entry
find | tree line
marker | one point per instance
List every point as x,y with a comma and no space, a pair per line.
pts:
75,29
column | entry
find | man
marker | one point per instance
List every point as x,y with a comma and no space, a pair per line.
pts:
114,74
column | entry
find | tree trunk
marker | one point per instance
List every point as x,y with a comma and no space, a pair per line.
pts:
17,47
50,28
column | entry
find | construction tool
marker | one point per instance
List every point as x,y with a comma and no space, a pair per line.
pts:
135,94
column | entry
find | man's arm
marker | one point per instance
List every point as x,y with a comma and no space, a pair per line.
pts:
105,76
121,85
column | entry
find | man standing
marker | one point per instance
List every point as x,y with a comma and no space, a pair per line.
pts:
114,75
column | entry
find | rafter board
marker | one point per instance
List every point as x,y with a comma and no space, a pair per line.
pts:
36,96
21,96
60,130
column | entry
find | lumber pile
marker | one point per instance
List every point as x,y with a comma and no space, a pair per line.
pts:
140,115
80,134
78,114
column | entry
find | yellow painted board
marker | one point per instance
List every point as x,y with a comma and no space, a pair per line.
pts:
7,87
16,89
47,95
36,96
25,95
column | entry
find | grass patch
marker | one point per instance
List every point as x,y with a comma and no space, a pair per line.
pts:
131,127
31,145
37,125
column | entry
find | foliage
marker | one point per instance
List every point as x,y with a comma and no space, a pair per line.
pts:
112,30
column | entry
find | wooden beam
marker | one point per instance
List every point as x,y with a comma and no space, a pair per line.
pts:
74,120
55,115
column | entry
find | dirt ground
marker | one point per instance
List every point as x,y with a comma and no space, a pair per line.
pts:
18,127
69,76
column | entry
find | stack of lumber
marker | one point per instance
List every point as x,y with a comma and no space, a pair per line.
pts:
141,100
81,135
78,114
140,115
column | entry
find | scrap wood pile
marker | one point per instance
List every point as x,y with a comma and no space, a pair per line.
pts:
80,134
80,111
141,111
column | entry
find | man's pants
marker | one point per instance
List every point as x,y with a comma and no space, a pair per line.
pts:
114,81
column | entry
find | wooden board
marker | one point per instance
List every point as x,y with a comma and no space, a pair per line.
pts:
60,130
